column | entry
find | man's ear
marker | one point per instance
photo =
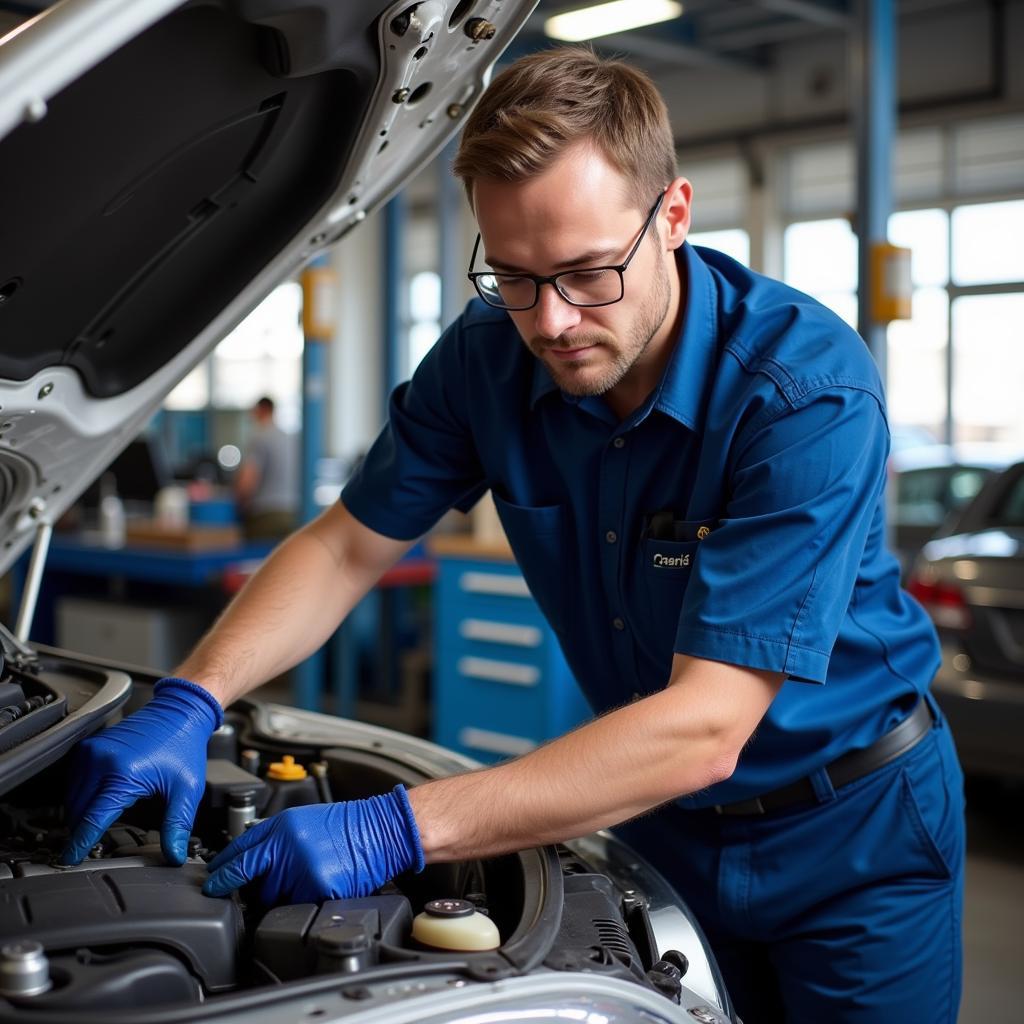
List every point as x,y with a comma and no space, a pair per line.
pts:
675,212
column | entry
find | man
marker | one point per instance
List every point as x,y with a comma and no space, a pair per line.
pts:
267,485
688,460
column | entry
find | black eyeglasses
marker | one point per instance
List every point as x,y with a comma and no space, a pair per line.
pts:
593,286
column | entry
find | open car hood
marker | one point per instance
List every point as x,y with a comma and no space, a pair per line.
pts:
164,166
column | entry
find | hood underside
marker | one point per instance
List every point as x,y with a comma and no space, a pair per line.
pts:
166,165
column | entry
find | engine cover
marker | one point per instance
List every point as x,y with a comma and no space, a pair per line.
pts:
155,907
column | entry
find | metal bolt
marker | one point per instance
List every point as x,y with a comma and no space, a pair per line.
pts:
479,29
37,508
45,390
400,95
455,111
24,968
35,109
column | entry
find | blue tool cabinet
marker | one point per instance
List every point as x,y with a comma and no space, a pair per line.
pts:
501,684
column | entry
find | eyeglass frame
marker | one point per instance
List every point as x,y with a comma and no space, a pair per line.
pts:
539,280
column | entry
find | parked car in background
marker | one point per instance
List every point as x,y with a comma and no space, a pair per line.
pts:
927,483
971,581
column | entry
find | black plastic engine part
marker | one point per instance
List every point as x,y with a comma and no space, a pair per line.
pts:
142,907
224,779
10,692
40,707
285,793
287,941
87,980
592,936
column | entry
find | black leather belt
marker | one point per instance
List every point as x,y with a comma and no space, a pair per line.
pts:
848,768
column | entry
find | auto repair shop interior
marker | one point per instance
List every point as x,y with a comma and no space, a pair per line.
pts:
869,153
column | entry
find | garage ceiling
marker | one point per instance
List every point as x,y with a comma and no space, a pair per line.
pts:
738,34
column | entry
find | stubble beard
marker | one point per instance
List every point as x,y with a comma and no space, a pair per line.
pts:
574,379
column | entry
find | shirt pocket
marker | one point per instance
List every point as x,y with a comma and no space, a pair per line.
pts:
537,535
665,569
668,558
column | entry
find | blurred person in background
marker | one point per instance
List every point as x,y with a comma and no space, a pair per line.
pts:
267,485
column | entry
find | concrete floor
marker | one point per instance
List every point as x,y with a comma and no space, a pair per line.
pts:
994,905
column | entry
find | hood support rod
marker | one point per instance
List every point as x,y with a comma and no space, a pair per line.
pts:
33,578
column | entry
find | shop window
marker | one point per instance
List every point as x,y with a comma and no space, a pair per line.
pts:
917,348
988,360
987,243
424,315
733,242
261,356
820,258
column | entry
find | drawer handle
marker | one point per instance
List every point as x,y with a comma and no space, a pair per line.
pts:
494,742
501,633
498,671
493,583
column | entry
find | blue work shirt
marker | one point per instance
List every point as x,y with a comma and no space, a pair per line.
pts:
737,515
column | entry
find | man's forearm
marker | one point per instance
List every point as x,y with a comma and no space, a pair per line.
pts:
291,606
677,741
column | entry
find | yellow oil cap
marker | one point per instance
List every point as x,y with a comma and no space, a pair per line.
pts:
286,770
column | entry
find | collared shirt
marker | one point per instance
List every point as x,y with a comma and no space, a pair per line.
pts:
737,515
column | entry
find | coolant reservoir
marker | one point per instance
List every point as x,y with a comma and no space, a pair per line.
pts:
455,925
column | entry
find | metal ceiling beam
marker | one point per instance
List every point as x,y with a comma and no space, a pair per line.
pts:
807,10
664,51
761,35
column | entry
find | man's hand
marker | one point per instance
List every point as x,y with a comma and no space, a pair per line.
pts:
158,751
323,851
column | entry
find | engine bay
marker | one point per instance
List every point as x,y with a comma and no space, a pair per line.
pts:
124,929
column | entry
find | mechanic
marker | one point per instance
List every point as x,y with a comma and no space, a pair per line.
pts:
267,485
689,461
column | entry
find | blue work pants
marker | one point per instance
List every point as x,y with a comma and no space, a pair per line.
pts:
847,912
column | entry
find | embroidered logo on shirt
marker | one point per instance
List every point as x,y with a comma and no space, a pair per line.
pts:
671,561
702,532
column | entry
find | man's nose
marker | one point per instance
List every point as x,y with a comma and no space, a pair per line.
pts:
553,316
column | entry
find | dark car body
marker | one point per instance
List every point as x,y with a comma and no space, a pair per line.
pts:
927,483
970,578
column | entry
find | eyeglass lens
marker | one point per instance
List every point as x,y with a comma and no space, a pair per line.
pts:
582,288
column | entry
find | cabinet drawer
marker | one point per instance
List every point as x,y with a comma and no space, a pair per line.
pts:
493,696
479,582
506,634
495,670
468,590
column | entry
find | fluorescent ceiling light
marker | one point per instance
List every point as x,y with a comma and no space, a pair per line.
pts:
604,19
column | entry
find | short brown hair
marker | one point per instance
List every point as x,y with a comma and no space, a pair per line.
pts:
546,102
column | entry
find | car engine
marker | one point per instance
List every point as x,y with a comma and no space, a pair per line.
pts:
124,929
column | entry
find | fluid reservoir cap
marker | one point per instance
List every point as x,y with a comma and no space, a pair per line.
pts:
449,908
454,925
286,770
343,940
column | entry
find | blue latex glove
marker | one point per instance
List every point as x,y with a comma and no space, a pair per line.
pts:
158,751
322,851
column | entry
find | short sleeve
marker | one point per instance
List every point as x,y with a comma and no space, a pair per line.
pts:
424,461
772,583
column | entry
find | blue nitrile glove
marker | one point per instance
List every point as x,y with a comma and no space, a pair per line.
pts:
322,851
158,751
